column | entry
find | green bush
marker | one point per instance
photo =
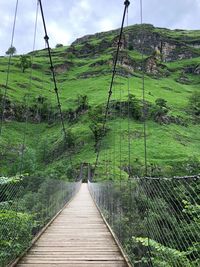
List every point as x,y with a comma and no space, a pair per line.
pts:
15,234
194,106
59,45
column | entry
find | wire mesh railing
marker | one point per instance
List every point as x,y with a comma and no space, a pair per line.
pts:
27,204
157,221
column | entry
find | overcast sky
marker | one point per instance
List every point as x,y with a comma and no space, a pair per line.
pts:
69,19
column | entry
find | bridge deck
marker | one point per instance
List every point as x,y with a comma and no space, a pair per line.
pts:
78,237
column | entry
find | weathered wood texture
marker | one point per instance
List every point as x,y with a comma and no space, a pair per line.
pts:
78,237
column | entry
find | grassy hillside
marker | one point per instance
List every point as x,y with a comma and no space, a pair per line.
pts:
172,73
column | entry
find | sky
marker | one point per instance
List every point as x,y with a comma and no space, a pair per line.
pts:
68,20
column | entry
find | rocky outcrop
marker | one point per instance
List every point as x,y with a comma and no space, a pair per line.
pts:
183,79
89,49
100,63
154,67
83,39
194,69
123,44
125,61
151,66
167,119
169,49
145,38
62,68
37,112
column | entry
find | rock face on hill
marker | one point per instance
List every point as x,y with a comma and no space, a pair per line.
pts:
172,45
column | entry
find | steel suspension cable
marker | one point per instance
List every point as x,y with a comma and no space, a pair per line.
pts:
129,135
145,130
8,69
11,191
143,92
53,71
126,3
46,38
28,95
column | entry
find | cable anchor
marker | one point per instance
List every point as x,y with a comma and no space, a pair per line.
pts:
46,37
127,3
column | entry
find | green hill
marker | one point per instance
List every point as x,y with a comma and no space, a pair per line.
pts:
83,70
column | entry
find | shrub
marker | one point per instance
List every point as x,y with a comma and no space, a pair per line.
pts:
194,106
24,62
15,234
11,51
59,45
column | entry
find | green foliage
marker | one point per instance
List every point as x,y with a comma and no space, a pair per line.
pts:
27,162
135,107
99,132
70,139
162,255
15,234
194,106
59,45
162,103
9,187
171,149
166,210
132,107
97,125
24,62
159,111
70,56
31,202
83,104
11,180
11,51
191,166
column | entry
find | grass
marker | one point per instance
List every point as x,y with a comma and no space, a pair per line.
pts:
166,144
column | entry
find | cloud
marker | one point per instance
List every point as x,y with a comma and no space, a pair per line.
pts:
59,33
106,24
172,14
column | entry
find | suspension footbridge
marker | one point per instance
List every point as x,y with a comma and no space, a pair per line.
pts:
77,237
114,218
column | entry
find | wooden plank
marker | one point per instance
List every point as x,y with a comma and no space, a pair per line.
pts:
78,237
76,264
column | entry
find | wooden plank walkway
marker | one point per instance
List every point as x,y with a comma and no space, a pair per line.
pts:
78,237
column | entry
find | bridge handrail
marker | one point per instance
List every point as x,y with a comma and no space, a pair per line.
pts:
25,209
156,220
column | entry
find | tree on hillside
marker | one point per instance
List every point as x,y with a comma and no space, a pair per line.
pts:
82,101
24,62
59,45
70,56
194,105
97,126
161,102
11,51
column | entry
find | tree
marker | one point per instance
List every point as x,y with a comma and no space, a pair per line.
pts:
97,126
162,103
70,56
11,51
59,45
25,62
160,110
98,132
134,108
82,101
194,105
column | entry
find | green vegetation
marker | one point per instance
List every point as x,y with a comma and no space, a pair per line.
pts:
11,51
155,219
24,62
83,75
32,140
